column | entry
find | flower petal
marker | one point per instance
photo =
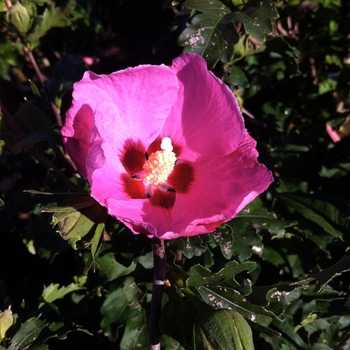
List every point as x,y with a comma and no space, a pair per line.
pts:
222,187
206,121
130,104
141,216
76,134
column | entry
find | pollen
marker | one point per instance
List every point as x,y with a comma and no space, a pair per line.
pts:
160,164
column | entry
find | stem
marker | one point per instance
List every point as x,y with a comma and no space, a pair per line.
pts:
41,79
159,278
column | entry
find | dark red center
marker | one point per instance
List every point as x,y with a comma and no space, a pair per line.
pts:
133,158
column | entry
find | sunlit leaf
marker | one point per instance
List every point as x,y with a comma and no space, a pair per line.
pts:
212,33
54,291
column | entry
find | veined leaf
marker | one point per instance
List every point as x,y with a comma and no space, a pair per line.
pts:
227,298
257,18
322,213
212,33
199,276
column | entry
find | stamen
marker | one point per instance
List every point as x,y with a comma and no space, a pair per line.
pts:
160,164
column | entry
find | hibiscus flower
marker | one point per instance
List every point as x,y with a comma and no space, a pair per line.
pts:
164,148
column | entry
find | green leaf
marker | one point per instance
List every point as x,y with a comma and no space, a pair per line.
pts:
136,332
283,297
325,276
189,246
34,89
257,18
236,77
9,324
222,297
80,220
212,33
168,343
322,213
53,16
199,276
33,119
122,306
223,330
109,267
54,291
27,334
179,315
3,7
309,319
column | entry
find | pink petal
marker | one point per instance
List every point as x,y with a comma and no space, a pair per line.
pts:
141,216
206,120
222,187
76,134
132,104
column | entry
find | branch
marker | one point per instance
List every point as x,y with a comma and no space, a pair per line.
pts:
159,280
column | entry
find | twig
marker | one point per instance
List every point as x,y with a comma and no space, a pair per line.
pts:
40,76
159,279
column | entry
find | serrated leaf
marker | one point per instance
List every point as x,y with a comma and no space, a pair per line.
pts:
121,306
223,330
27,334
257,18
54,291
80,221
283,297
309,319
241,236
221,297
199,276
53,16
189,246
212,33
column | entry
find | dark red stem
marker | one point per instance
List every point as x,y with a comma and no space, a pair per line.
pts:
159,278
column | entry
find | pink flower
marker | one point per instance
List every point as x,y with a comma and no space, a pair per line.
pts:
164,148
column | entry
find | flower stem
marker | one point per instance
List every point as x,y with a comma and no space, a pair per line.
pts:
159,278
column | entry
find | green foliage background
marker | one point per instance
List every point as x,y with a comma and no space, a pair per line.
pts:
282,264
